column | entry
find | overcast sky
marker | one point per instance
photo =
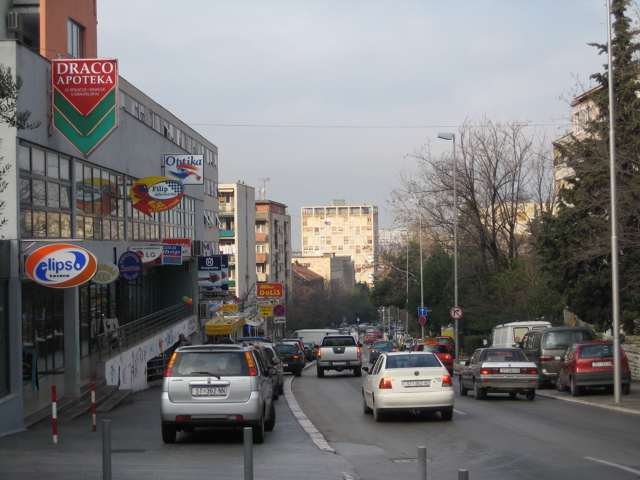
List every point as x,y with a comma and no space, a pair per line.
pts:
326,98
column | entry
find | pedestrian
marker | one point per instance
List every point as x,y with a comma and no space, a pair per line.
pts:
181,339
226,340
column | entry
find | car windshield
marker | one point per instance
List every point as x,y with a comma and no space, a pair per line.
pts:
287,348
445,340
434,348
383,345
210,363
412,360
503,355
563,339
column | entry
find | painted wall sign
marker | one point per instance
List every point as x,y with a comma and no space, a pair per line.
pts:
156,194
106,273
130,266
189,169
84,100
61,265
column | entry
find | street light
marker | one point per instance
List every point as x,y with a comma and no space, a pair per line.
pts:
452,136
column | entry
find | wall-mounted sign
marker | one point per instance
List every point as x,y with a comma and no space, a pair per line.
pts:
156,194
149,254
269,290
130,266
213,272
189,169
106,273
171,254
84,100
61,265
184,242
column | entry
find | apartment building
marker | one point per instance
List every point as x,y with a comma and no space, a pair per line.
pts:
338,271
53,194
237,213
273,244
346,230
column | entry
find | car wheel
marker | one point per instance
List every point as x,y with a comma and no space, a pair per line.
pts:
365,408
269,424
320,373
559,386
531,395
258,431
626,389
169,434
575,390
357,371
478,393
446,414
378,416
463,390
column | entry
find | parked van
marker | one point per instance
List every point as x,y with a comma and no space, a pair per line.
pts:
314,335
509,334
546,347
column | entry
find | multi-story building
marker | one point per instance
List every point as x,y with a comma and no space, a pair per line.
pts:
338,271
51,193
348,230
273,244
237,213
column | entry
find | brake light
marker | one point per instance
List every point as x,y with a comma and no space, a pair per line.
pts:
385,383
529,371
393,349
448,358
359,352
447,381
489,371
253,371
296,357
167,372
546,358
183,418
319,353
373,351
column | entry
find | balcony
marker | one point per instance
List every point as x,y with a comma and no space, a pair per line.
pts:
227,233
261,257
261,236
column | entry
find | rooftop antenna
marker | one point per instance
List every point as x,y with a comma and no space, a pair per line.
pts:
262,191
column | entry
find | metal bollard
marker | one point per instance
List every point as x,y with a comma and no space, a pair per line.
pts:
106,450
463,474
422,463
247,435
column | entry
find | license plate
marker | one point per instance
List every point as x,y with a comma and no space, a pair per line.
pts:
339,363
600,364
509,370
285,364
416,383
209,391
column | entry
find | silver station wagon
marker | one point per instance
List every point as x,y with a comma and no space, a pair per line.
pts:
217,386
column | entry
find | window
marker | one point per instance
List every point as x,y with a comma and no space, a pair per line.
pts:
74,39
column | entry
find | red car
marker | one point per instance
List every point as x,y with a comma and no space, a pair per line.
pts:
440,351
449,343
371,337
590,364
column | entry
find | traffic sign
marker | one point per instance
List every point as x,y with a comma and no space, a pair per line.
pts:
422,319
278,310
279,319
422,311
456,313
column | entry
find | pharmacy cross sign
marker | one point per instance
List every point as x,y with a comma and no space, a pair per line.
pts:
84,100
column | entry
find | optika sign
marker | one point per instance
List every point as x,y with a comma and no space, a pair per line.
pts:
61,266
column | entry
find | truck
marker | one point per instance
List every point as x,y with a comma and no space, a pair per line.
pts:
314,335
339,352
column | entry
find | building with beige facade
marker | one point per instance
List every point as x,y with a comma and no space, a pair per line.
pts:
346,230
338,271
273,244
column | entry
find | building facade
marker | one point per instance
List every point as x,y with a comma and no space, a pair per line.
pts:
346,230
337,271
52,194
273,244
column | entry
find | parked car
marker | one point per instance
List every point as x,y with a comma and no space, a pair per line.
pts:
499,370
378,347
272,357
440,351
545,347
292,358
310,351
590,365
217,386
402,382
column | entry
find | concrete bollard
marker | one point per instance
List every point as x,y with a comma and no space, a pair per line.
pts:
106,450
463,474
247,436
422,463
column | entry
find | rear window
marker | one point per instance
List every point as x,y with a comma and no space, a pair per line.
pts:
563,339
433,348
338,342
596,351
210,363
411,361
286,349
383,345
499,355
445,340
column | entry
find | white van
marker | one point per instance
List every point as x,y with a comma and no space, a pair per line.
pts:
509,334
314,335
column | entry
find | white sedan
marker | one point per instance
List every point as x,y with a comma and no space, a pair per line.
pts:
407,382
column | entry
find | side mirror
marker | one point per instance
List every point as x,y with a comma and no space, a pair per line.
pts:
366,369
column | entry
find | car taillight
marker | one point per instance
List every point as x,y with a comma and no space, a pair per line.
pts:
393,349
447,381
529,371
167,372
359,352
489,371
448,358
253,371
319,353
385,383
296,357
373,351
546,358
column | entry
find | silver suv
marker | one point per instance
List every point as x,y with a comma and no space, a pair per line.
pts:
217,386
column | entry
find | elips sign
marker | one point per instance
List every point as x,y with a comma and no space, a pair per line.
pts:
61,266
84,99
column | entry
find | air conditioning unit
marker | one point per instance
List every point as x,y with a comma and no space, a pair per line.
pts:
14,22
196,248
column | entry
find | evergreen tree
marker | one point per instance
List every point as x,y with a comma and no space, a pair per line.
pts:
576,243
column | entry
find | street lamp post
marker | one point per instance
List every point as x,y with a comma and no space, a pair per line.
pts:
452,136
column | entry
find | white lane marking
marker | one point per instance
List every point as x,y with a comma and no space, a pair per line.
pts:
621,467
